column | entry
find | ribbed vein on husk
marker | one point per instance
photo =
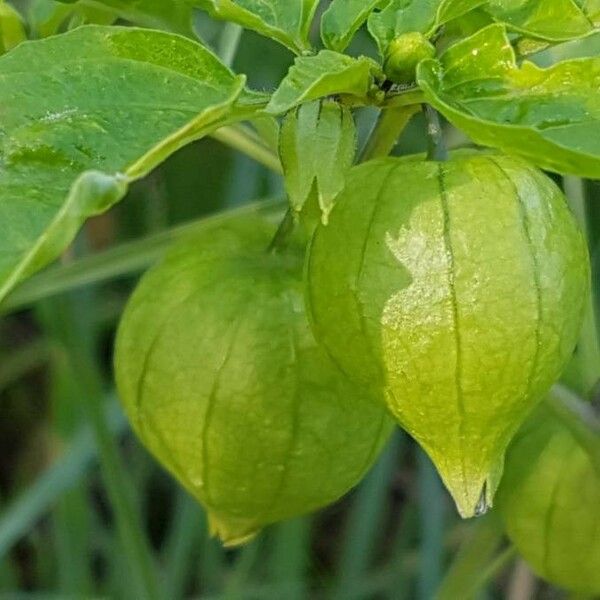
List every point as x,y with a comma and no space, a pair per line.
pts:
536,271
455,315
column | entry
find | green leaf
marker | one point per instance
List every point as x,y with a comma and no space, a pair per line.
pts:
549,116
551,20
317,147
287,22
172,15
342,20
407,16
326,74
12,30
86,113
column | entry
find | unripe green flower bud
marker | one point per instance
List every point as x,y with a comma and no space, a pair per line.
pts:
404,54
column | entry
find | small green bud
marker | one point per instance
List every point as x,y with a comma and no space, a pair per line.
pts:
404,54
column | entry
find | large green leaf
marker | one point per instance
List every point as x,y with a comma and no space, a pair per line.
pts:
551,20
549,116
84,114
288,22
423,16
342,20
173,15
327,74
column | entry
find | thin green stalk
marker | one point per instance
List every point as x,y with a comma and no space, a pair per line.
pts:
437,149
185,535
240,138
387,130
496,567
229,42
478,551
126,259
579,417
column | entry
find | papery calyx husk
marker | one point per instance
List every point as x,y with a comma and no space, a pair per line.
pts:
223,382
549,500
457,290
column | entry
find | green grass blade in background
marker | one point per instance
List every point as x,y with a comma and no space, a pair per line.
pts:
240,576
182,544
432,509
80,342
21,361
126,259
476,553
401,580
20,516
364,527
289,558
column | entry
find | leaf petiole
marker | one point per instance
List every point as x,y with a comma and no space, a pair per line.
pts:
386,131
435,135
242,139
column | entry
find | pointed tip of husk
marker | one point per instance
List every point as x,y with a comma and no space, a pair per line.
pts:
474,495
231,532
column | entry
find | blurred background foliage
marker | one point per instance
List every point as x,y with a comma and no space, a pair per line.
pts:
86,513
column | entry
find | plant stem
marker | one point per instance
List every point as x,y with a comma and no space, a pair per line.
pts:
243,140
476,561
229,42
389,126
579,417
436,146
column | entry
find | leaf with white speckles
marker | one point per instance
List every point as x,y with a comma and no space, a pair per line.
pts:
549,116
551,20
86,113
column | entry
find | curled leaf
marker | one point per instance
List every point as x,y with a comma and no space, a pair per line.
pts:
73,138
328,74
548,116
287,22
